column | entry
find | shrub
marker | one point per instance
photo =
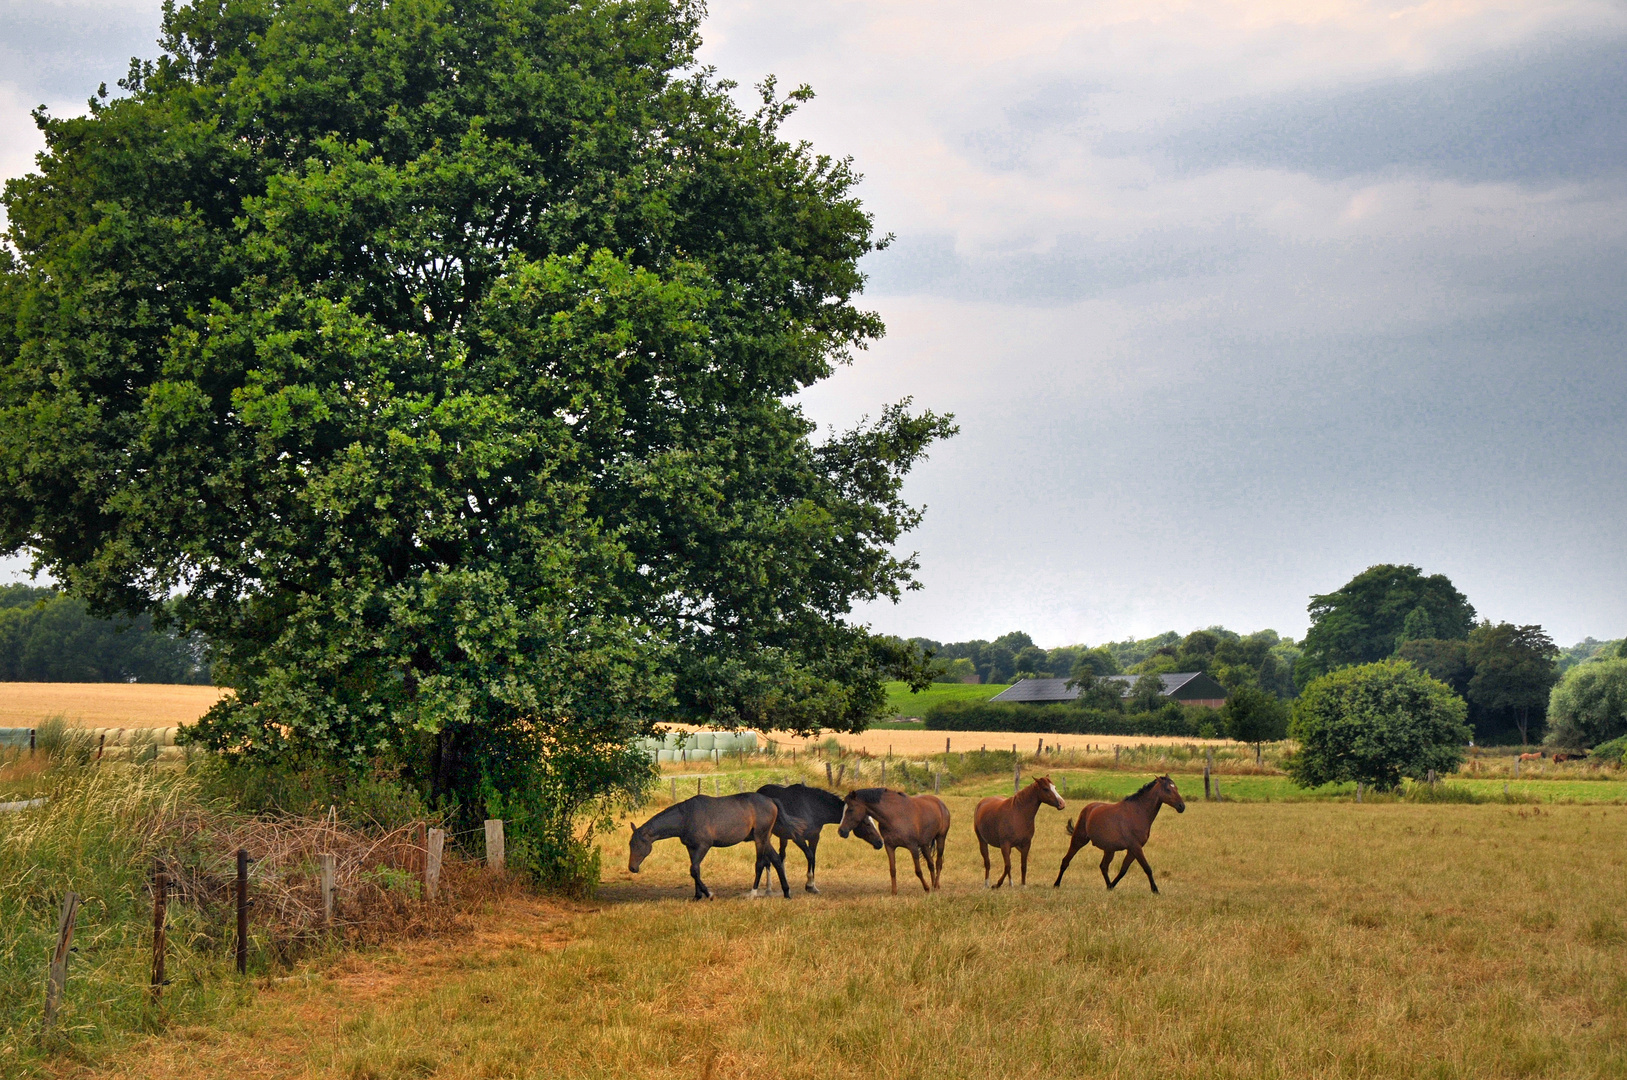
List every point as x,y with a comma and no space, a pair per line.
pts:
1376,723
1589,706
1613,752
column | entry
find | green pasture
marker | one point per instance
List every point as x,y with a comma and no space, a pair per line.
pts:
900,702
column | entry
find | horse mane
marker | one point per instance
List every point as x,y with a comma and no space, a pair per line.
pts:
871,794
1143,789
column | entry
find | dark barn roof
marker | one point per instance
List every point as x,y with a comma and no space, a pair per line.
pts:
1180,686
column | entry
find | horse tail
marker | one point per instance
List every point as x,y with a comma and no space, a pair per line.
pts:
1069,826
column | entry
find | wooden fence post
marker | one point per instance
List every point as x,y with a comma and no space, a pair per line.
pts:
160,914
432,862
841,770
828,781
697,785
1016,777
242,912
1208,768
325,872
1116,750
884,773
57,980
494,844
935,778
101,744
1358,791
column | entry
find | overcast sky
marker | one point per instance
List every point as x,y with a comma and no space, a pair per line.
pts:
1231,300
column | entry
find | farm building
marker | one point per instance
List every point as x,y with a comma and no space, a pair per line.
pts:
1186,687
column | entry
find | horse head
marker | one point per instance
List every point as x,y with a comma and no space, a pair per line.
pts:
856,819
1049,795
638,848
1168,794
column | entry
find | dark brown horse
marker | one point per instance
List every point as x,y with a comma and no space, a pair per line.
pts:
703,823
1009,823
917,822
1122,826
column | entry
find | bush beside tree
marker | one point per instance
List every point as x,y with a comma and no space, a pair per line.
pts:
1376,723
1589,705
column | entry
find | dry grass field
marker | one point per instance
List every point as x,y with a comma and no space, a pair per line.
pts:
105,705
1291,940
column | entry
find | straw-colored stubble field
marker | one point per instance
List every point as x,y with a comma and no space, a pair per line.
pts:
1291,940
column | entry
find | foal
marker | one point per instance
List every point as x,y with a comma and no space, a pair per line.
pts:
1122,826
1009,823
917,822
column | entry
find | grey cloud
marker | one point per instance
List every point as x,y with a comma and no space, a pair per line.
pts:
56,52
1073,268
1538,115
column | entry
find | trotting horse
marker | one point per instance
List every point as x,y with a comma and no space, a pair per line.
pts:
917,822
804,813
1009,823
1122,826
703,822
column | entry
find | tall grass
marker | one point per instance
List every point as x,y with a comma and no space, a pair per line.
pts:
1320,940
99,835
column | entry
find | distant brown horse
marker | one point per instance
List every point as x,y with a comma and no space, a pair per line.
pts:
917,822
1009,823
1122,826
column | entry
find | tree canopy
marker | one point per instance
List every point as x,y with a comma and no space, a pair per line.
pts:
48,637
435,359
1589,705
1514,669
1376,723
1373,613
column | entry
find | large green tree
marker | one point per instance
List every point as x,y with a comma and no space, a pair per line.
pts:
1515,667
438,359
1589,705
48,637
1376,723
1378,609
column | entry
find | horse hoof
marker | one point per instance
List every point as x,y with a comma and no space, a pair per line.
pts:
811,887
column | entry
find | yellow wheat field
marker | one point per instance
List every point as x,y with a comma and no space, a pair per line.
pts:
105,705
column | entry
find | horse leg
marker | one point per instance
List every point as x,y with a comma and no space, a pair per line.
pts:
779,868
1073,849
915,853
1124,867
1005,853
1107,861
810,848
937,869
1024,850
986,868
1142,859
892,866
696,854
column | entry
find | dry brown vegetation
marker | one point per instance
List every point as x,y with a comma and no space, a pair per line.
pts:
1291,940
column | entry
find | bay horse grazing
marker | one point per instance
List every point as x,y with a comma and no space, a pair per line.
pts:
703,822
804,813
917,822
1009,823
1122,826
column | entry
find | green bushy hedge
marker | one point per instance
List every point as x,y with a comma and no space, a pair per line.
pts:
1171,719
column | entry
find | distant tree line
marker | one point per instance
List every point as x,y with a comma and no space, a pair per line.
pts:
1504,673
48,637
1262,660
